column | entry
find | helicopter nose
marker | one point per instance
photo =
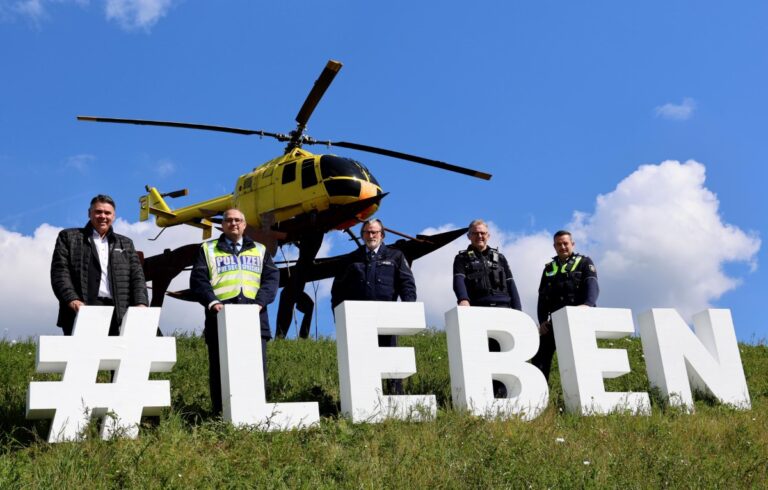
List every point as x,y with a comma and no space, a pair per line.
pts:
367,190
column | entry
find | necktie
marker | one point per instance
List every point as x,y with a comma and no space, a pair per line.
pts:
236,247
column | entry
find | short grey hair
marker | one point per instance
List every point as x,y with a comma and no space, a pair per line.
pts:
477,222
235,209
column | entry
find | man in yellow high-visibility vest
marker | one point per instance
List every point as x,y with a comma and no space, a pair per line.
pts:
232,269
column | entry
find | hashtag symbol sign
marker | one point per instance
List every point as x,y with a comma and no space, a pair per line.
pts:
77,398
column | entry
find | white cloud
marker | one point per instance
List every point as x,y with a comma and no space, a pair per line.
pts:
658,241
81,162
30,8
164,167
129,14
33,10
679,112
28,304
137,14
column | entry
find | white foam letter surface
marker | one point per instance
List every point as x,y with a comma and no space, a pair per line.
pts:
363,364
72,401
709,360
244,400
473,368
583,365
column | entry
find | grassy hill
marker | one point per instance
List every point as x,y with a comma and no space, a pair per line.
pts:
716,447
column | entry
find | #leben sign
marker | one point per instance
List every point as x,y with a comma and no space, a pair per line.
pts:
678,361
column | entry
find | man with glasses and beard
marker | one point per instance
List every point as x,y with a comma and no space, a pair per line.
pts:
375,272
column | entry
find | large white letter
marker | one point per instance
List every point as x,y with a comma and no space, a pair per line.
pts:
583,366
709,361
74,400
244,401
363,364
473,368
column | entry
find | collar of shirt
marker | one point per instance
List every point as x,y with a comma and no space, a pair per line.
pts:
99,238
375,251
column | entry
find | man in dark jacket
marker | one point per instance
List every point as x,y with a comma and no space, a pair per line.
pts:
232,269
481,277
569,279
375,272
95,266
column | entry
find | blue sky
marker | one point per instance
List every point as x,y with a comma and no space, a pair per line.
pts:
573,107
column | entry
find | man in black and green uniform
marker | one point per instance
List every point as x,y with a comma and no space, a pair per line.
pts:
232,269
570,279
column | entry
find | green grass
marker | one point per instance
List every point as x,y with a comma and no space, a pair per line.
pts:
715,448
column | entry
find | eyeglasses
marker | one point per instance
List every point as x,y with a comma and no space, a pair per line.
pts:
233,220
371,232
478,233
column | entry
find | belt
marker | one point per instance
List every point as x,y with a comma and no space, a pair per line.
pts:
495,304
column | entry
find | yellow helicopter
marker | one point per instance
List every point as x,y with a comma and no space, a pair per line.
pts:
294,198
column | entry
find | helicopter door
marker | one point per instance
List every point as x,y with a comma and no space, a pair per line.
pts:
314,195
288,195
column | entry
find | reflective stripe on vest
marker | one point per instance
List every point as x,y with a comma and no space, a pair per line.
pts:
564,269
230,274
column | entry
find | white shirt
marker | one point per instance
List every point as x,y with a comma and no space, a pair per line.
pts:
102,247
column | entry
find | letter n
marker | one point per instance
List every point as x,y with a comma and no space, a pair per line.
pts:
709,360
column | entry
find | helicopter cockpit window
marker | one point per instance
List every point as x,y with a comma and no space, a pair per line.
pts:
371,178
332,166
289,172
308,176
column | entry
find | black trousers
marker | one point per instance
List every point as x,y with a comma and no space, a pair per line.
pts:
211,335
392,386
543,358
114,325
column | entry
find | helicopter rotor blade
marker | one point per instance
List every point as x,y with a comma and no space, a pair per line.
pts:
405,156
205,127
318,90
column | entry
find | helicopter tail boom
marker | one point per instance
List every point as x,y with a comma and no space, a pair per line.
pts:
197,215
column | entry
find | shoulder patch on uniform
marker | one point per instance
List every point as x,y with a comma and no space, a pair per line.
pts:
592,268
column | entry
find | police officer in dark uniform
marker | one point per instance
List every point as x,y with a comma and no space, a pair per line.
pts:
375,272
570,279
481,277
